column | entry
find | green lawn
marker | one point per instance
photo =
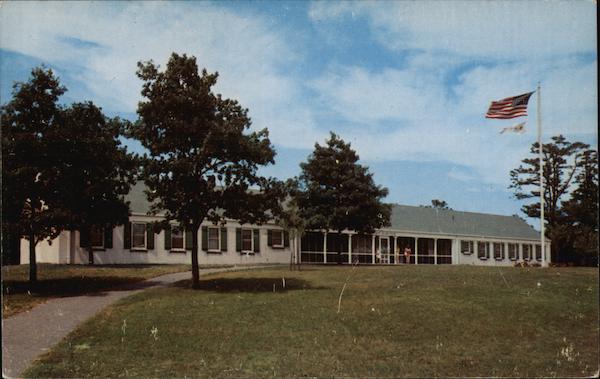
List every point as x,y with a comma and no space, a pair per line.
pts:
70,280
416,321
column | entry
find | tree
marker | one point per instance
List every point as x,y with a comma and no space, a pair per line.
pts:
581,210
292,221
98,172
202,161
560,166
337,193
31,170
438,204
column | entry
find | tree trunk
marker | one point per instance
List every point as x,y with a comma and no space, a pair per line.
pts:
90,255
339,252
292,252
89,247
298,248
195,268
32,261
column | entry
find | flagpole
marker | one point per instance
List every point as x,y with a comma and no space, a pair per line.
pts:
539,130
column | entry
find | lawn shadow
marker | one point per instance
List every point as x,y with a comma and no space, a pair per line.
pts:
250,285
67,287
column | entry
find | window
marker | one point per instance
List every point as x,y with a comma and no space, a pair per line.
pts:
277,238
483,250
538,252
97,237
467,247
527,252
513,252
138,236
177,237
498,251
247,244
214,239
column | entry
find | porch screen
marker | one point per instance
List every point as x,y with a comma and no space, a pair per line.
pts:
312,247
444,251
362,248
425,250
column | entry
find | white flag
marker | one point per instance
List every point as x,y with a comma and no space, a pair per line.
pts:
519,128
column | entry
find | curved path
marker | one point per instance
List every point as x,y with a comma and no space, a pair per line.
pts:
27,335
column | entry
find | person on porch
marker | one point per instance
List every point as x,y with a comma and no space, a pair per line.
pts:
407,253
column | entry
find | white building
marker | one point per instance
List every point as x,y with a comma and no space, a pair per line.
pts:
417,235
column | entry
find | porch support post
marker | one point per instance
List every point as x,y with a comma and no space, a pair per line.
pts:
519,252
373,248
350,248
435,251
416,250
396,248
324,247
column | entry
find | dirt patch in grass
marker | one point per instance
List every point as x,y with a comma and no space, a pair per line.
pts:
415,321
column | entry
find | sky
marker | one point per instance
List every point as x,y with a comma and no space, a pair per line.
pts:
406,83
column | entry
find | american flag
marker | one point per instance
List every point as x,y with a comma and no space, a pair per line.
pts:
510,107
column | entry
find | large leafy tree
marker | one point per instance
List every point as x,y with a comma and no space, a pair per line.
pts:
202,159
98,172
561,161
337,193
32,202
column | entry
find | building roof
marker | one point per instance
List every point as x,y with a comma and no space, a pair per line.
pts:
138,203
451,222
416,219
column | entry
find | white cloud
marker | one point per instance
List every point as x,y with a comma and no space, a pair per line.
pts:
410,114
106,40
400,111
475,28
501,49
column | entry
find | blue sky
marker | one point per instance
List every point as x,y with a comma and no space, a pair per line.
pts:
407,83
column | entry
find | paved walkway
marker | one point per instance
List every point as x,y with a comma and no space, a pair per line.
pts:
27,335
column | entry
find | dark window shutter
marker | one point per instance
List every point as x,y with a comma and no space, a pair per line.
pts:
269,237
149,237
168,238
286,238
205,238
127,235
223,239
256,240
238,239
84,238
108,237
392,245
189,243
376,243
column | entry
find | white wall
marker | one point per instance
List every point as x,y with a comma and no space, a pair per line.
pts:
119,255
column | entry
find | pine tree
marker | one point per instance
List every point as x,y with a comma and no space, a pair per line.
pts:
337,193
560,167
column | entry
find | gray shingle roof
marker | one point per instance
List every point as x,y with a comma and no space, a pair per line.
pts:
417,219
450,222
138,203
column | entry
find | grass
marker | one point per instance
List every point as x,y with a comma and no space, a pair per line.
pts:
417,321
70,280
